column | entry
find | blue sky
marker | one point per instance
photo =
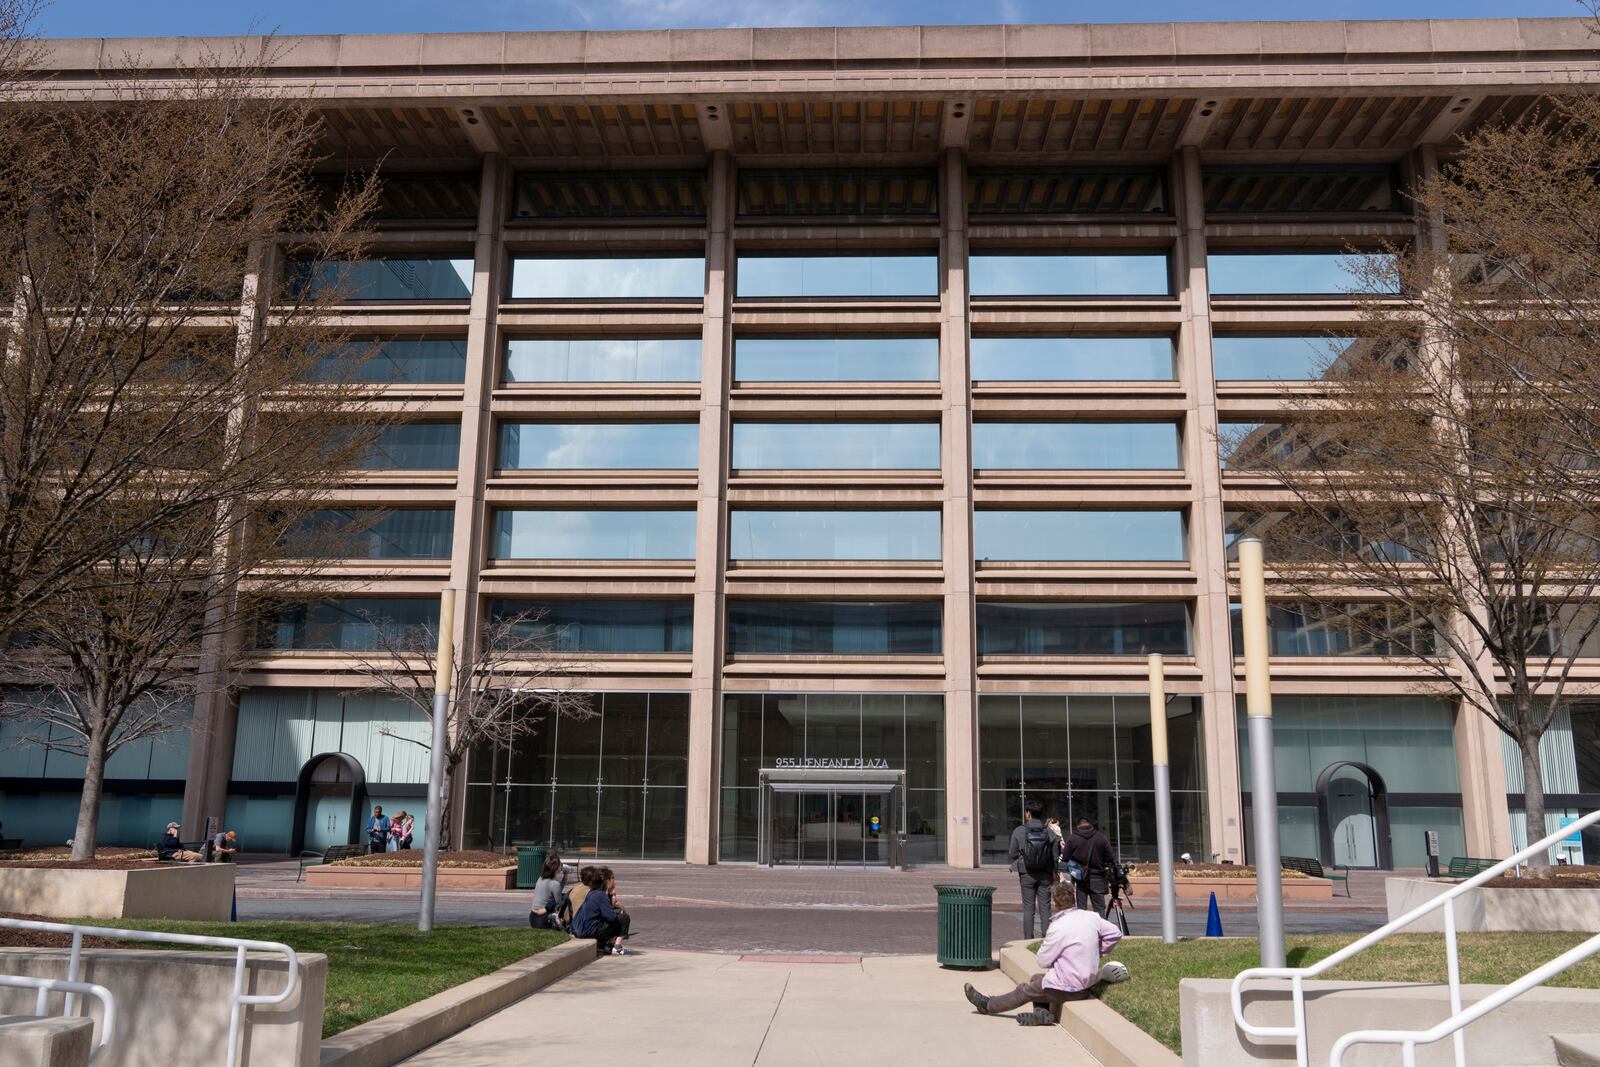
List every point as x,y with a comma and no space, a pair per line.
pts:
118,18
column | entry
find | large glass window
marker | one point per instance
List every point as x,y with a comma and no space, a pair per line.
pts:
415,446
1072,359
372,533
1023,629
1078,535
836,359
388,278
836,446
345,623
599,445
396,361
1069,274
609,278
1291,358
833,628
1286,273
1302,444
858,275
603,359
760,534
1354,628
601,627
1087,756
610,784
1075,445
590,534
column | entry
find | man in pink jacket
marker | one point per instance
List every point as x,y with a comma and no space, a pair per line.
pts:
1070,953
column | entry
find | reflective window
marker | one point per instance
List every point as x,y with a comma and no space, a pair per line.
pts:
1072,359
1282,359
415,446
833,535
602,627
1078,535
603,359
836,446
373,533
890,275
612,277
1286,273
1069,274
1311,536
1299,445
833,628
1075,446
397,361
599,445
1028,629
345,623
1357,628
419,278
836,359
550,534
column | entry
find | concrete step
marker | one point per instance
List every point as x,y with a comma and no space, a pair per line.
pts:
1577,1050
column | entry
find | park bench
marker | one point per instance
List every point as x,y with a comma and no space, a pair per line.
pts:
312,858
1467,866
1313,868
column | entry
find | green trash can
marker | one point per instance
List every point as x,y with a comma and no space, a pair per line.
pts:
966,925
530,861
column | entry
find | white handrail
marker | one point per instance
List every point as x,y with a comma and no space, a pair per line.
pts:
46,986
1452,1026
238,999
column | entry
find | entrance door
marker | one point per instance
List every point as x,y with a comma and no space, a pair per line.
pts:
831,829
327,815
1353,821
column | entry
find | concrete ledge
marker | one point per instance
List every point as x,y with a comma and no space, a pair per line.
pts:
1489,910
199,891
331,877
1233,888
1105,1035
29,1042
399,1034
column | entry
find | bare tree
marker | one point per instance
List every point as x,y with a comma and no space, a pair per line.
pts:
504,690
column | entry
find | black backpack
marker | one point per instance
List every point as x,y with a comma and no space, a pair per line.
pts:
1038,851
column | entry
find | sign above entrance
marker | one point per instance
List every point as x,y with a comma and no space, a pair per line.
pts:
832,764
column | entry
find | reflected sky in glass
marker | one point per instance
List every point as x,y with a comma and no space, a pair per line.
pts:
1283,273
836,446
603,359
833,535
1155,536
1275,359
599,445
560,534
836,359
415,446
1072,359
1074,446
1014,274
422,278
913,275
580,278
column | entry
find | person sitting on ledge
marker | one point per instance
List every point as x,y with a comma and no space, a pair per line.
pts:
1071,951
172,849
599,918
223,846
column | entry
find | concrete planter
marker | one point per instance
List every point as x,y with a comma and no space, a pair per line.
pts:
330,877
1112,1040
1486,910
1232,888
201,891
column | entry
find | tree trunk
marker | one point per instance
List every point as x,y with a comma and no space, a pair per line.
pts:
446,789
1533,797
94,776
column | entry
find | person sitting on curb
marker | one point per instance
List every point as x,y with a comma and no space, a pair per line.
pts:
600,919
224,846
1070,953
549,895
586,877
172,849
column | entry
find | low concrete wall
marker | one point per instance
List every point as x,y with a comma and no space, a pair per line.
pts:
172,1006
1232,888
1483,910
200,891
30,1042
1518,1033
332,877
1104,1034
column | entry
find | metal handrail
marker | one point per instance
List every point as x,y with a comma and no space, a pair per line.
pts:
46,986
1459,1018
239,999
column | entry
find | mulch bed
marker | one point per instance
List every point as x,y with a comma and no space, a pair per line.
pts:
105,859
465,858
1203,870
1560,878
10,938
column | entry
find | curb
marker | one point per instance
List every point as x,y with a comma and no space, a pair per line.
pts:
1105,1035
391,1038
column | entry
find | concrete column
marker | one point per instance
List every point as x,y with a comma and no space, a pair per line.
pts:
955,436
711,553
1212,649
468,546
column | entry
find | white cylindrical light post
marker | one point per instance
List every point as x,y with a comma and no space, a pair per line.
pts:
1263,772
441,739
1161,772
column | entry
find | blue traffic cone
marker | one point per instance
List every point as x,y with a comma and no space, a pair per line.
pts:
233,909
1213,919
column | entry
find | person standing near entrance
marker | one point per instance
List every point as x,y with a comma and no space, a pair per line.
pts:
1089,861
378,830
1033,857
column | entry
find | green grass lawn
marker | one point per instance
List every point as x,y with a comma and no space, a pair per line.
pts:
377,968
1150,999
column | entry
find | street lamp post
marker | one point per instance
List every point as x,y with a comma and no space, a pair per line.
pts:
1263,773
1163,782
441,740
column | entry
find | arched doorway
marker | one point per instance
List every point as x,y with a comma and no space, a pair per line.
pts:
1353,816
330,798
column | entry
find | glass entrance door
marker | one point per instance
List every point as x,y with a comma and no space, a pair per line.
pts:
834,828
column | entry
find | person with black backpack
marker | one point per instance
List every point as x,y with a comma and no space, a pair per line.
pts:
1033,856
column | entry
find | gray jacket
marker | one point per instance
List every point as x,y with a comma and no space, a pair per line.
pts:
1019,838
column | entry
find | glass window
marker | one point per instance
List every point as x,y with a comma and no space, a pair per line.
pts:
603,359
860,275
833,628
836,359
1408,740
389,278
1078,535
345,623
1278,359
603,627
590,534
599,445
1299,445
395,361
415,446
1072,359
609,278
836,446
373,533
1356,628
1075,446
1069,274
1286,273
1083,629
833,535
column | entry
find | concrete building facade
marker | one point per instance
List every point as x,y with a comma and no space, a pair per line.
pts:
850,400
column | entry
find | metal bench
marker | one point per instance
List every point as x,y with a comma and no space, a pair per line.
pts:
310,858
1467,866
1312,868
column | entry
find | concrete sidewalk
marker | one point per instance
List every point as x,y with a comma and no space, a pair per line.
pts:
670,1008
